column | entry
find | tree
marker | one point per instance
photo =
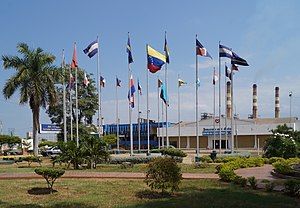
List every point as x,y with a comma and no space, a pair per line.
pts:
50,175
283,143
94,150
35,78
87,104
110,139
70,154
163,173
9,140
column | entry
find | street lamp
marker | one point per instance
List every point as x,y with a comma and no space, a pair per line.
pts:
290,95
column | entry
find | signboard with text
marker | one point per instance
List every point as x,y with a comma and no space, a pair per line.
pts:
49,129
216,131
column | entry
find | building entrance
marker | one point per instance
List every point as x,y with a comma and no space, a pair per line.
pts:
216,144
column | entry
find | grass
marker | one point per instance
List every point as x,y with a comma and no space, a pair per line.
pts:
24,168
89,193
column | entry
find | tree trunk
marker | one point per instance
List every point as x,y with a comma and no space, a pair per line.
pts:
35,126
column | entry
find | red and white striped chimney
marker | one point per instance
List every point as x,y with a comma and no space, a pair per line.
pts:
254,104
228,101
277,106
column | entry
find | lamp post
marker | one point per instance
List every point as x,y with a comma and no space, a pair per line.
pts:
290,95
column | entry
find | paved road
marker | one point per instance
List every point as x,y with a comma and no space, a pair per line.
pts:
121,175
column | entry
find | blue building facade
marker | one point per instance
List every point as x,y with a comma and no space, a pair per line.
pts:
124,133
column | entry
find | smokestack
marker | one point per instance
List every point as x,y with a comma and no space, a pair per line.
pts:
228,101
254,104
277,110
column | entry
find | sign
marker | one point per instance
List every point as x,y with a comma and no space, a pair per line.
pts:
49,129
216,131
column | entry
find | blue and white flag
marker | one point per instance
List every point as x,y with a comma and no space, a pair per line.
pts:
238,60
225,51
92,49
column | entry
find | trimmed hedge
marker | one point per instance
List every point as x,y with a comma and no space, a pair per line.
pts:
138,160
284,167
170,151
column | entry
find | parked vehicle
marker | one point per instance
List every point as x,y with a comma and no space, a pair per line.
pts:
51,151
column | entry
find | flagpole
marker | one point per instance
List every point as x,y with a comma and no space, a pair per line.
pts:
130,108
76,103
71,107
226,136
214,115
139,122
197,123
117,115
64,95
148,126
167,101
99,93
220,135
162,129
158,110
232,114
179,139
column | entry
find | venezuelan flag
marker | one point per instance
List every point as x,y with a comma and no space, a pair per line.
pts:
155,59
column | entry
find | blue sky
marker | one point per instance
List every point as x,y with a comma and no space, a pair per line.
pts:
266,33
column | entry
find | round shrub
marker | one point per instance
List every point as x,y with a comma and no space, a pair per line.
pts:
283,167
226,174
163,173
50,175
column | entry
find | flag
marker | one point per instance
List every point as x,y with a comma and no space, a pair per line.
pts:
166,49
159,83
139,88
234,67
102,81
86,82
225,51
155,59
128,50
131,92
74,63
71,83
238,60
163,94
215,78
200,50
91,49
181,82
118,82
227,72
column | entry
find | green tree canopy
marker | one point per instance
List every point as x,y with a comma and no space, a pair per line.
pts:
35,78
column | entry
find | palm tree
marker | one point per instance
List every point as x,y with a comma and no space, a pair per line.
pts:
35,79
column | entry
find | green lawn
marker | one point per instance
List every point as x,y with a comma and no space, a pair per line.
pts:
89,193
24,168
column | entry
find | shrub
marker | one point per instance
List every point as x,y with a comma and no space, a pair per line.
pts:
206,159
283,167
252,181
201,165
31,159
292,187
163,173
239,180
270,186
275,159
173,152
50,175
226,174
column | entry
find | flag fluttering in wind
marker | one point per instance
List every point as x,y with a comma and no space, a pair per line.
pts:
227,72
139,88
201,51
163,94
234,67
155,59
91,49
238,60
224,51
215,77
118,82
128,50
74,63
102,81
159,83
181,82
86,82
166,49
71,83
131,92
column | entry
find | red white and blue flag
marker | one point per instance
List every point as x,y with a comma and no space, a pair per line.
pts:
131,92
201,51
